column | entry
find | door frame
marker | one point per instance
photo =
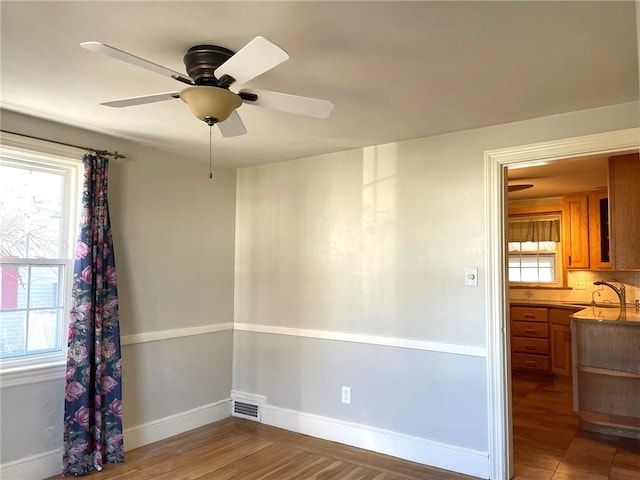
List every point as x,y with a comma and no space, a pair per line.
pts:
498,358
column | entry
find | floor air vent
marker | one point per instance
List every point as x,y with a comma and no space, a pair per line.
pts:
246,410
246,405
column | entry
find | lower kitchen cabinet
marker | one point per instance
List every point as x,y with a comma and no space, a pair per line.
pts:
529,338
560,338
541,339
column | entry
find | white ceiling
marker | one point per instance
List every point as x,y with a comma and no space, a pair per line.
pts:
567,176
395,70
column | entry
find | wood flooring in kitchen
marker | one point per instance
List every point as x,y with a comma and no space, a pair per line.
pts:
548,443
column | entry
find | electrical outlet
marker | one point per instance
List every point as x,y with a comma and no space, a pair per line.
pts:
346,395
580,285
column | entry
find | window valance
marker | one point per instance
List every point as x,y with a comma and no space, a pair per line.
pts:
538,230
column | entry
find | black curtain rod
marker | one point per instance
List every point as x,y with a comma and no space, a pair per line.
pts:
115,154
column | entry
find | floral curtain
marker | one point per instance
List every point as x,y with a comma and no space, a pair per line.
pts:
93,394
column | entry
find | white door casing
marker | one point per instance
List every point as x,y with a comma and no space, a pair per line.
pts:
498,359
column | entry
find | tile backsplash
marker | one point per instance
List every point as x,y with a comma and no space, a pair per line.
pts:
573,294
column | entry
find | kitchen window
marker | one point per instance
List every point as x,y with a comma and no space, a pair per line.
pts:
38,215
534,250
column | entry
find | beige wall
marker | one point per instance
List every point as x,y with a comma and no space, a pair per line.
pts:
371,241
374,242
173,234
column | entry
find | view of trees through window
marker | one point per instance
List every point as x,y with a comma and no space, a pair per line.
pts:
33,263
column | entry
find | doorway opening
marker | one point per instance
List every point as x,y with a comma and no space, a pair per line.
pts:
497,162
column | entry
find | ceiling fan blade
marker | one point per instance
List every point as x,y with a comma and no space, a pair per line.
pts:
113,52
232,126
255,58
312,107
129,102
517,188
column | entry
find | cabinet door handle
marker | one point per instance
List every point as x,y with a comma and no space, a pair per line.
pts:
530,363
529,315
530,347
529,330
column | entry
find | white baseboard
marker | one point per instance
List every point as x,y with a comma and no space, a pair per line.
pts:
48,464
427,452
415,449
43,465
166,427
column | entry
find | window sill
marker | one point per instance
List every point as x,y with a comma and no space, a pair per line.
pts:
24,375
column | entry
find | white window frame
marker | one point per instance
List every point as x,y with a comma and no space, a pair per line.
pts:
46,156
559,283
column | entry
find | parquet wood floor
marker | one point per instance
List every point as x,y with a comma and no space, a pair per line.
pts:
244,450
548,443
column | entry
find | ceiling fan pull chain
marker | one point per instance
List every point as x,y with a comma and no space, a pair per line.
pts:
210,174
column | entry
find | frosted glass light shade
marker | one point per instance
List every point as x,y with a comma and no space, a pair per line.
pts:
210,102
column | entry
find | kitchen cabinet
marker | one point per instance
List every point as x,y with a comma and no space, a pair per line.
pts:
607,381
624,205
599,251
586,239
529,338
541,338
575,231
560,340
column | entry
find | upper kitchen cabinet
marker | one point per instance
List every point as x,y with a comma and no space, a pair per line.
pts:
599,242
575,231
586,242
624,210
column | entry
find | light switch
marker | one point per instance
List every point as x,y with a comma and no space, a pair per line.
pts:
471,277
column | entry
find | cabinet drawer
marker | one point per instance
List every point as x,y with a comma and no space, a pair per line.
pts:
529,329
561,316
529,314
530,345
530,362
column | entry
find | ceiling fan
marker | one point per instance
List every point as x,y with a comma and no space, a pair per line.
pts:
215,75
518,187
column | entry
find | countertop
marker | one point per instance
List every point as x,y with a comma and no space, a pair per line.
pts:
609,314
599,312
546,303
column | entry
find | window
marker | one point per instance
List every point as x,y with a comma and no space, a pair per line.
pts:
38,215
534,250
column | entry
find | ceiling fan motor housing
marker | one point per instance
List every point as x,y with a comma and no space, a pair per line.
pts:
201,62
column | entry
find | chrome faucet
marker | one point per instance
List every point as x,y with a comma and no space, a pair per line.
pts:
622,294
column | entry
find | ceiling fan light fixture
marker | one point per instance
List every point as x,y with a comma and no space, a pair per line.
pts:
210,104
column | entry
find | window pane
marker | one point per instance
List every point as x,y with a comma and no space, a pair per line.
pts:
45,286
529,261
547,268
514,261
30,213
44,329
514,275
548,246
13,327
14,281
514,246
529,275
529,246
